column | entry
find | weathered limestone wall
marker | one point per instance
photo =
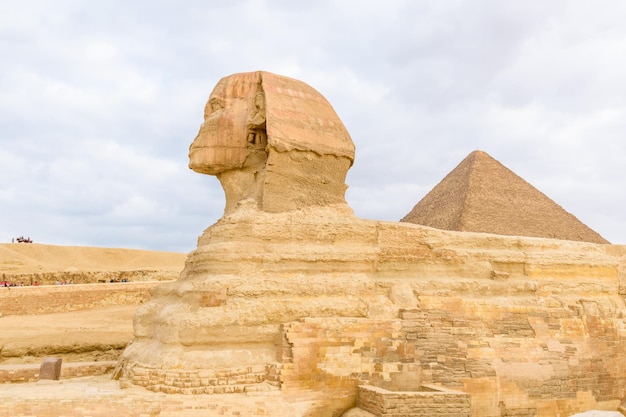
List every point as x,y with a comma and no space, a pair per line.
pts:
430,401
520,360
243,380
324,302
61,298
30,373
180,381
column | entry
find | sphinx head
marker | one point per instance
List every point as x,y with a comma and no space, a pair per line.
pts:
274,141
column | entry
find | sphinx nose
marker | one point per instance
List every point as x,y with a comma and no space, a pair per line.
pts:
195,145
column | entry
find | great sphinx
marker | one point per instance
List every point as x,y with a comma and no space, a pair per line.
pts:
290,292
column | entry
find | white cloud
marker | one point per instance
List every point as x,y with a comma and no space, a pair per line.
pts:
99,102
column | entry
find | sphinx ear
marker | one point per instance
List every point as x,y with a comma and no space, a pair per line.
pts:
256,122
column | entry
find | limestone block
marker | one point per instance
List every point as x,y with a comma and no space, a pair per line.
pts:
50,369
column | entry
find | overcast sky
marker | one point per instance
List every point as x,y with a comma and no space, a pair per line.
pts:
100,99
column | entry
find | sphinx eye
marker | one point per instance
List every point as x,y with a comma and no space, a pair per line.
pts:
216,104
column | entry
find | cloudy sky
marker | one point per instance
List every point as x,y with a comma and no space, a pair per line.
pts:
99,101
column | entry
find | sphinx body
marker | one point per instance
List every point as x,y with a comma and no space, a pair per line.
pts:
290,292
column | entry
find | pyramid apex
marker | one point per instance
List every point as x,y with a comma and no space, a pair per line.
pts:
479,154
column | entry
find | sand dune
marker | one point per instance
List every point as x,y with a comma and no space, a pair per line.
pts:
37,258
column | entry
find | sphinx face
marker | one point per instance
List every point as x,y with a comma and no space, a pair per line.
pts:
221,142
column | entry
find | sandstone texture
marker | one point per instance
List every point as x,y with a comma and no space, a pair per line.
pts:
482,195
290,293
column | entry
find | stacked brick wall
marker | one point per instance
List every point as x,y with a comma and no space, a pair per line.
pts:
341,353
174,381
61,298
430,401
30,373
543,359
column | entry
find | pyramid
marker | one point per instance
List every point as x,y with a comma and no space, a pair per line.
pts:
482,195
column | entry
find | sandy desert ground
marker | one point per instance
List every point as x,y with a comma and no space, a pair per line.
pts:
84,335
77,336
37,258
